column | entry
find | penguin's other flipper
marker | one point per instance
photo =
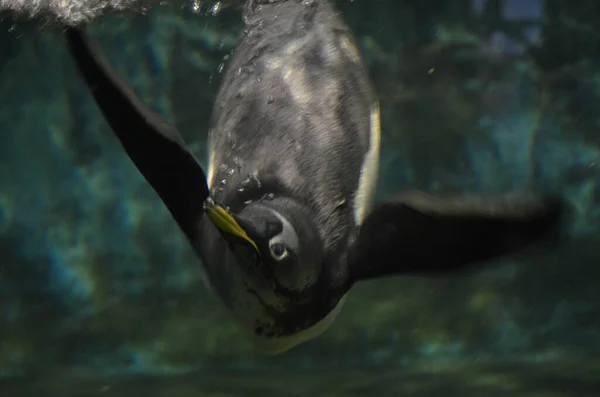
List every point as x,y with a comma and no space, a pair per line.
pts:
416,233
156,148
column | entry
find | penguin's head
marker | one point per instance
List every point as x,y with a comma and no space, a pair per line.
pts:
275,244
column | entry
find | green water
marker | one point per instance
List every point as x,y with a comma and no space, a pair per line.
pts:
554,379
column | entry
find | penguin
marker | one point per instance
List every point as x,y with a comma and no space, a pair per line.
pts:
284,220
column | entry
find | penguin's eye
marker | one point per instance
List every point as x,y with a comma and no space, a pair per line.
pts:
278,251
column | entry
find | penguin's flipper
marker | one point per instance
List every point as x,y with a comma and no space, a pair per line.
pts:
419,234
156,148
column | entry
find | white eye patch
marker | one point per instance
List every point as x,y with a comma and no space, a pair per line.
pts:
288,235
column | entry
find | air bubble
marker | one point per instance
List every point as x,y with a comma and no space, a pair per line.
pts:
196,6
215,9
239,163
254,176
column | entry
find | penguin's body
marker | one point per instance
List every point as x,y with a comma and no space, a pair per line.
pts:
295,119
293,163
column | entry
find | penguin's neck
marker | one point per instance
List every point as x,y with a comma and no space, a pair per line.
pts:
237,191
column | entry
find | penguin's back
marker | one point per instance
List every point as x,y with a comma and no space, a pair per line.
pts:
296,114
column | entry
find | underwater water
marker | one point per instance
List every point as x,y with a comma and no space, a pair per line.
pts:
102,295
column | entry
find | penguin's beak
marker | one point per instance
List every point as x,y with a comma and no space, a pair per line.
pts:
226,222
